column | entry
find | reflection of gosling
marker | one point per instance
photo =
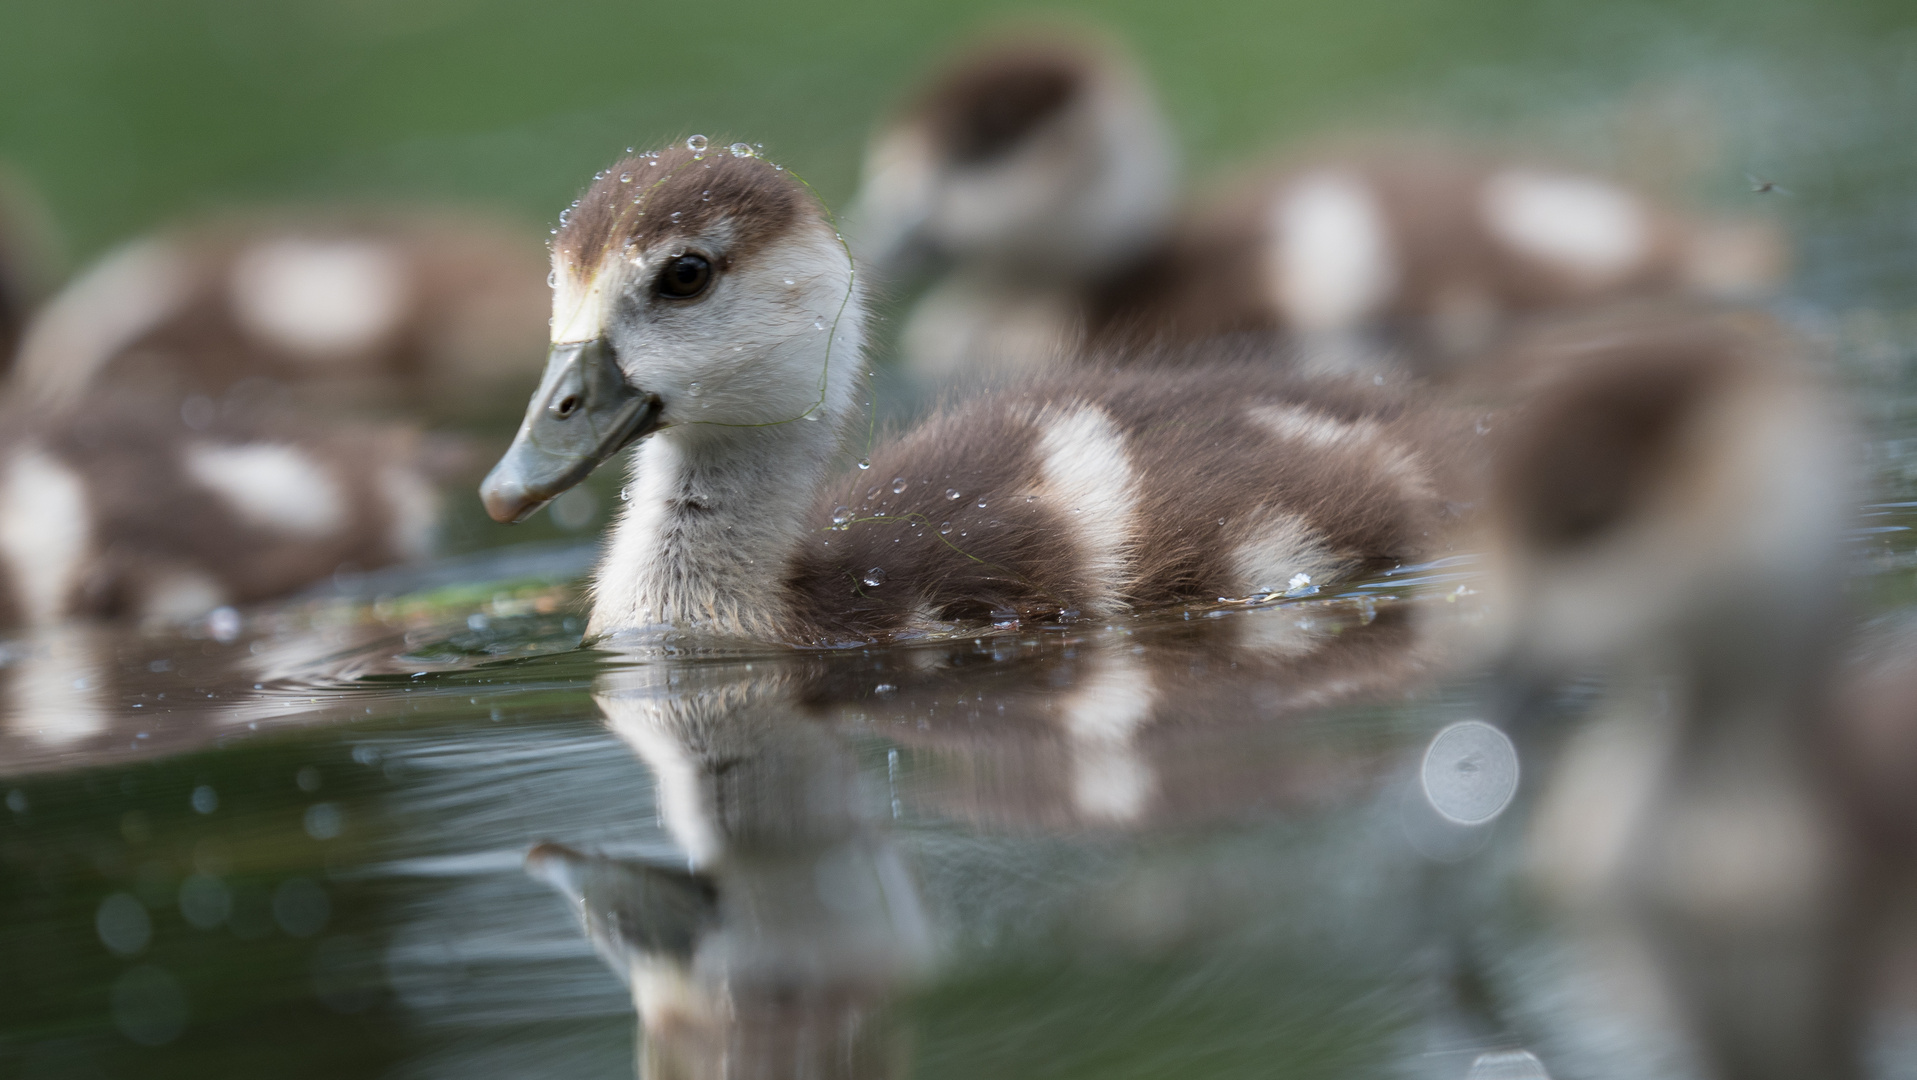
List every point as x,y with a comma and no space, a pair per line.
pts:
1668,513
1039,170
419,309
706,311
116,511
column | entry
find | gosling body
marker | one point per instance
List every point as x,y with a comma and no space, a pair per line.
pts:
1100,494
1040,177
410,309
127,512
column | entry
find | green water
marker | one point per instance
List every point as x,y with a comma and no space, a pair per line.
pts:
301,851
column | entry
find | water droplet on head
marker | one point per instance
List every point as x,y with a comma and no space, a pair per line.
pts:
564,217
864,465
625,178
981,504
841,515
676,213
740,149
696,144
952,493
552,278
872,492
874,577
818,324
945,528
788,281
692,390
898,485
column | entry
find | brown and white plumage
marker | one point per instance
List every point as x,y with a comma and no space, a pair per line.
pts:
1668,514
1396,252
413,308
1422,254
1100,494
124,511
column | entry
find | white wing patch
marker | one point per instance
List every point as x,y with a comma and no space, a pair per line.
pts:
1332,263
46,528
1586,227
271,485
1086,473
92,320
320,298
1328,434
1283,544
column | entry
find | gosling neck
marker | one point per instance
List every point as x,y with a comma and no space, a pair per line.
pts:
713,516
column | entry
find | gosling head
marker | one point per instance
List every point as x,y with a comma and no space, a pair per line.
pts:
702,291
1040,152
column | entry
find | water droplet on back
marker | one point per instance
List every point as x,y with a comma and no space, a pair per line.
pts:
696,144
898,485
552,279
841,515
981,504
625,178
864,465
945,528
952,493
740,149
874,577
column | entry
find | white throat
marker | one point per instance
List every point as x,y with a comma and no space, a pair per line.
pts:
715,513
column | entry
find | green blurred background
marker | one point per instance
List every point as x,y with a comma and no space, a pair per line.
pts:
128,113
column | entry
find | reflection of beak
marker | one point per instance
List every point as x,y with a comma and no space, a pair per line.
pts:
583,413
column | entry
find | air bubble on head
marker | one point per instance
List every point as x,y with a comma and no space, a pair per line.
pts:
740,149
874,577
898,485
696,144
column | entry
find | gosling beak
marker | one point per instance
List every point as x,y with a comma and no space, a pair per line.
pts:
583,413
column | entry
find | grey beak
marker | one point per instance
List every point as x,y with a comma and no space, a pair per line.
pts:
583,413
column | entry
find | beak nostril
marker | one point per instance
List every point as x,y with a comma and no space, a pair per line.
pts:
567,405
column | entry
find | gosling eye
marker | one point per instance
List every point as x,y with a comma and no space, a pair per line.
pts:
685,277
